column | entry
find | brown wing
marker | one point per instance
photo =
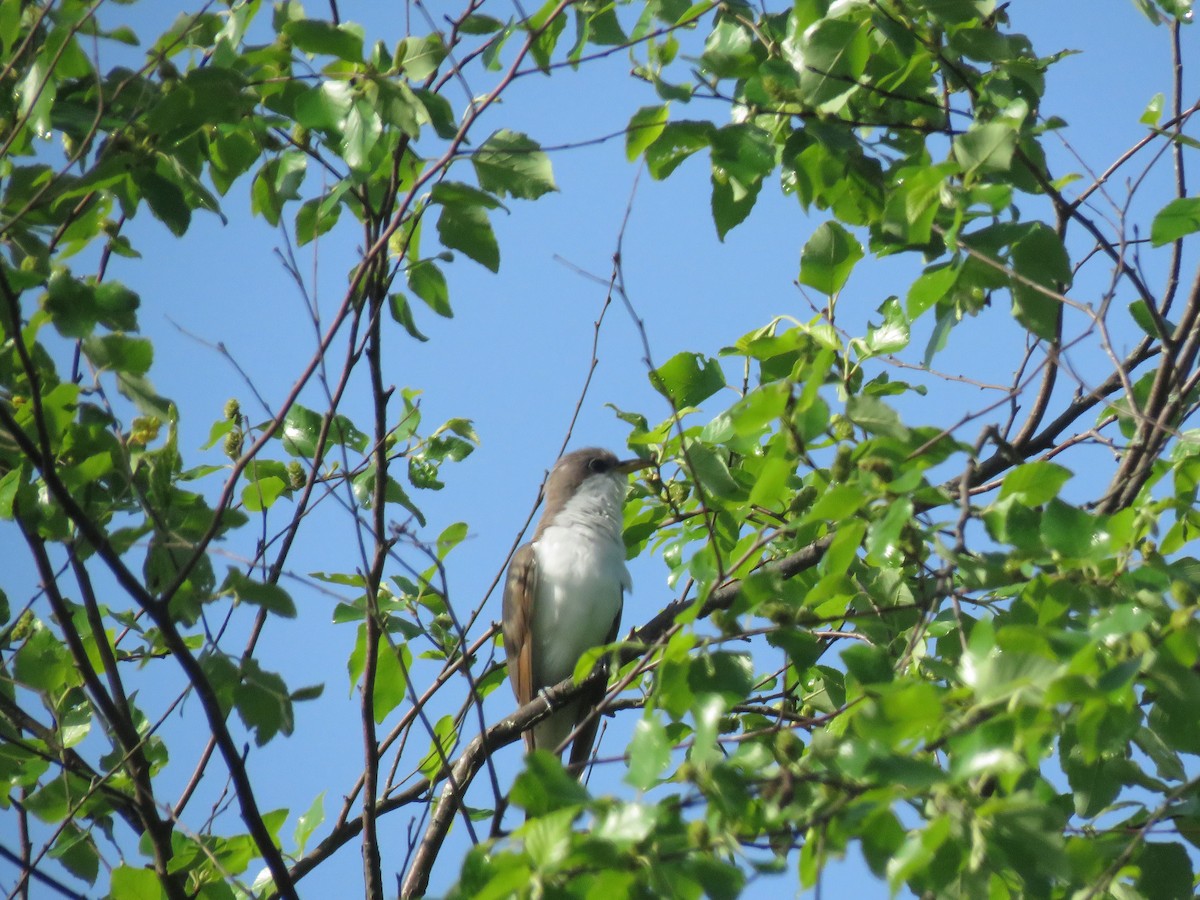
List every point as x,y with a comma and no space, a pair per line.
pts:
519,590
581,749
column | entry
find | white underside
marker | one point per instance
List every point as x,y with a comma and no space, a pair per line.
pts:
581,580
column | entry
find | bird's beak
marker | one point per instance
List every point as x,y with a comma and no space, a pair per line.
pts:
633,465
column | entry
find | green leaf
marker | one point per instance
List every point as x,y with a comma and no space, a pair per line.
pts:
480,24
391,681
325,106
1069,530
401,311
115,306
687,379
316,217
728,51
302,427
771,483
874,416
148,401
361,129
986,147
544,786
277,182
71,305
44,664
451,537
317,37
649,753
165,198
678,141
914,202
548,30
421,56
711,470
438,112
1035,483
1039,259
120,353
1153,112
835,57
263,704
466,228
1140,314
262,493
77,852
1177,219
883,535
1165,872
127,883
722,673
510,163
441,748
270,597
645,127
204,96
828,258
892,336
742,156
426,280
308,821
455,193
835,505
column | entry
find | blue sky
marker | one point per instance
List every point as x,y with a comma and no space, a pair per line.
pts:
516,354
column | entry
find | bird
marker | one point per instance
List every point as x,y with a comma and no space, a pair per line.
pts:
565,589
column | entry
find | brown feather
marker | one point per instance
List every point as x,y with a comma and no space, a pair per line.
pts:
519,590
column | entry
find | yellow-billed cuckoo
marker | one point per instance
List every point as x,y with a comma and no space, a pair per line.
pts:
564,590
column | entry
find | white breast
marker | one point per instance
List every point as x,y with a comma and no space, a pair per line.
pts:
581,578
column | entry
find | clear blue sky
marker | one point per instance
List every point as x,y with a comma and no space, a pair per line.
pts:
516,354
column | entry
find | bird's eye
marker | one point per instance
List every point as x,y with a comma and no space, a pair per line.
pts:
597,464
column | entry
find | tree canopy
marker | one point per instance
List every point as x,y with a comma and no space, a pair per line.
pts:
942,625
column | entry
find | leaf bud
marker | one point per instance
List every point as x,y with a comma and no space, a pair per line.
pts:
22,628
842,466
233,443
804,498
841,427
878,466
144,430
233,409
295,473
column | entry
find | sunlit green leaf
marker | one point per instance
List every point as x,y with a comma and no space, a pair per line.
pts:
828,258
688,379
1176,220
